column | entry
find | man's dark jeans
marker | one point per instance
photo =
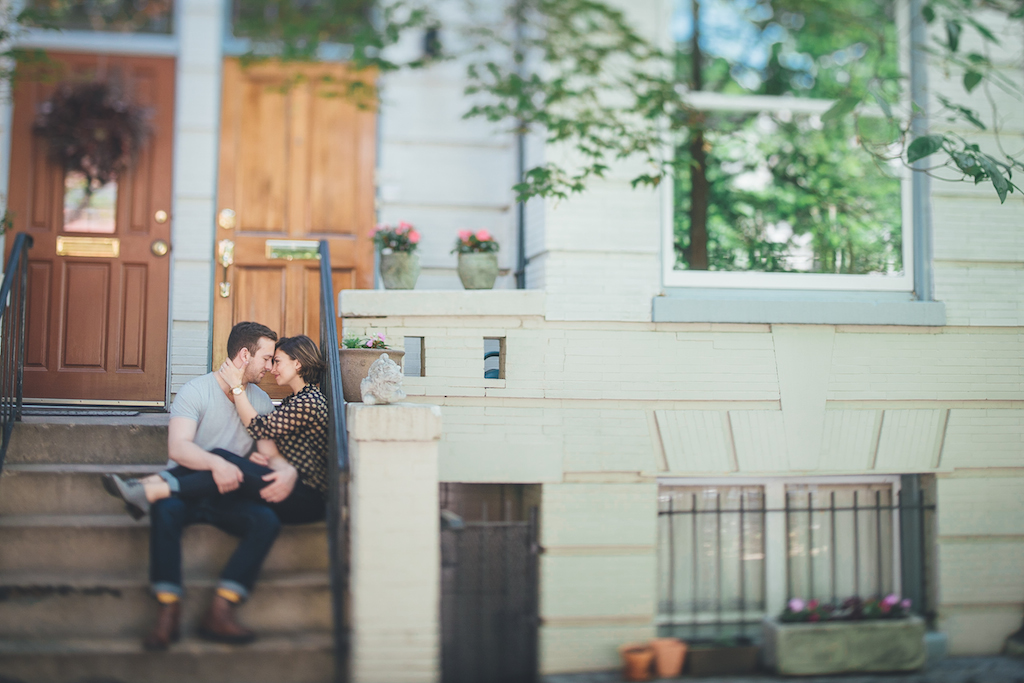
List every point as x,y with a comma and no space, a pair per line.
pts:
254,523
241,513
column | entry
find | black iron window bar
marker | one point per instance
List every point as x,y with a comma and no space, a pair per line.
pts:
704,619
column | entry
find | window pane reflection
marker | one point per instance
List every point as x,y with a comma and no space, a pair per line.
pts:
92,210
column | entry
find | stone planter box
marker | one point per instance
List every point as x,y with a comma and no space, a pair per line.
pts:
844,646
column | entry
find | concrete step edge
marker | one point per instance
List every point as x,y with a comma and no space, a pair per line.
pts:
100,521
307,641
16,580
82,468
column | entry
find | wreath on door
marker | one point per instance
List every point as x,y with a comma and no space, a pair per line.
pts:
91,128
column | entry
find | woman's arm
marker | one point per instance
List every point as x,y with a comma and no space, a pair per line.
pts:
233,376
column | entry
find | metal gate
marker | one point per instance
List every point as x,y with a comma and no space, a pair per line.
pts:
489,602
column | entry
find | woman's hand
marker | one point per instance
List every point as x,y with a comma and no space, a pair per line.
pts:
282,483
230,374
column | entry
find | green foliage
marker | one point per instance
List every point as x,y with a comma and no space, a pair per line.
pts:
789,194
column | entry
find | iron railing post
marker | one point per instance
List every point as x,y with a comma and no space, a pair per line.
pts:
337,520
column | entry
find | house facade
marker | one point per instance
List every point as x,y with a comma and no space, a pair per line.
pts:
635,404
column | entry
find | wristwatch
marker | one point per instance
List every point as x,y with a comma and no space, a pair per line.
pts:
237,390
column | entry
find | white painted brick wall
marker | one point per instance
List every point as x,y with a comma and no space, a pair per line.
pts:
579,401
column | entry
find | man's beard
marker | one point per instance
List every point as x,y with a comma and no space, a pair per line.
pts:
253,376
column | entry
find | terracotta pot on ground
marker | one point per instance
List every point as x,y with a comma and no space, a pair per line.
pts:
636,661
355,365
669,655
478,270
399,269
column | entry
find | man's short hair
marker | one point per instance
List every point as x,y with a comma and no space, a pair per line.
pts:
247,336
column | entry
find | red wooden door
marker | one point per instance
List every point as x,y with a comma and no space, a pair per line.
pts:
98,285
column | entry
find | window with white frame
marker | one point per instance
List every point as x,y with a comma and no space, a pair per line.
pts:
769,190
733,552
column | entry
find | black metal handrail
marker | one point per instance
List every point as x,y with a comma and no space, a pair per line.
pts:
338,470
13,295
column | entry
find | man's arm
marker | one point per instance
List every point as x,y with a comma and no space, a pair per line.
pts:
181,447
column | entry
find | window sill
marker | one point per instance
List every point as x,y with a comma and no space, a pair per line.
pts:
688,305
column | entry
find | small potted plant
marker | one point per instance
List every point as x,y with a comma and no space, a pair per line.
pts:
357,355
478,259
399,262
636,661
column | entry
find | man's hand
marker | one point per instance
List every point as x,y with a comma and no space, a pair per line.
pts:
259,459
227,476
282,483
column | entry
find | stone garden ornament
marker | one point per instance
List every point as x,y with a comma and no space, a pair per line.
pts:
383,384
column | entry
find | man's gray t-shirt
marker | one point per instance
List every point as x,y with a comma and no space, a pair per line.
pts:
203,401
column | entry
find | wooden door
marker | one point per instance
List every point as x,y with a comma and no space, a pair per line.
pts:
97,325
296,163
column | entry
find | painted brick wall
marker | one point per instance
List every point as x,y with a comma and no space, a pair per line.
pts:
590,410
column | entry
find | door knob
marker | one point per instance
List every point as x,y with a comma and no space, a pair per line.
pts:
160,216
160,248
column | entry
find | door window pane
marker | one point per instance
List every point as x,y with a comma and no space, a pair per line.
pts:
89,209
124,16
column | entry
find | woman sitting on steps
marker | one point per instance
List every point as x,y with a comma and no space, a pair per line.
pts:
289,470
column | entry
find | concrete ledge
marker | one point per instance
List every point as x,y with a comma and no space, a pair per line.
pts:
844,646
396,422
825,308
380,303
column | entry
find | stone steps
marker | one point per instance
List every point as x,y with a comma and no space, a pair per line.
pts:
41,607
115,544
297,658
74,588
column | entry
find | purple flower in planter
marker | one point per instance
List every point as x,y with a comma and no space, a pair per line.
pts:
905,605
797,605
891,600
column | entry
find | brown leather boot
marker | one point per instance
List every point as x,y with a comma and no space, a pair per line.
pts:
219,624
166,630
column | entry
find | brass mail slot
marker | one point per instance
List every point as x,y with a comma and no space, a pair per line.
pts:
293,250
89,247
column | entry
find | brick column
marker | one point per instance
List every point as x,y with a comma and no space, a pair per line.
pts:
395,543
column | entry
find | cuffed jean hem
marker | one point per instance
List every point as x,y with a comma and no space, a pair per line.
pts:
172,481
165,587
234,587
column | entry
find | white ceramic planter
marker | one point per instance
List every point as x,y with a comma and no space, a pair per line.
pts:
835,647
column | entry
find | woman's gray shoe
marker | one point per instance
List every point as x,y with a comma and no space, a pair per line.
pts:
131,491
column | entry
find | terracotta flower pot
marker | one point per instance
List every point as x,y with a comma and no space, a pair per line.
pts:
669,655
478,270
636,661
355,365
399,269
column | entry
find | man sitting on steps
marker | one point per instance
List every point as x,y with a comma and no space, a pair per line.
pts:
203,418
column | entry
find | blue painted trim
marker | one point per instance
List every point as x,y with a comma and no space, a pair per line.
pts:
102,42
798,307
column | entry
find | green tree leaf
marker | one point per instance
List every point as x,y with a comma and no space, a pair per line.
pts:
928,12
953,30
924,146
999,182
971,80
842,107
